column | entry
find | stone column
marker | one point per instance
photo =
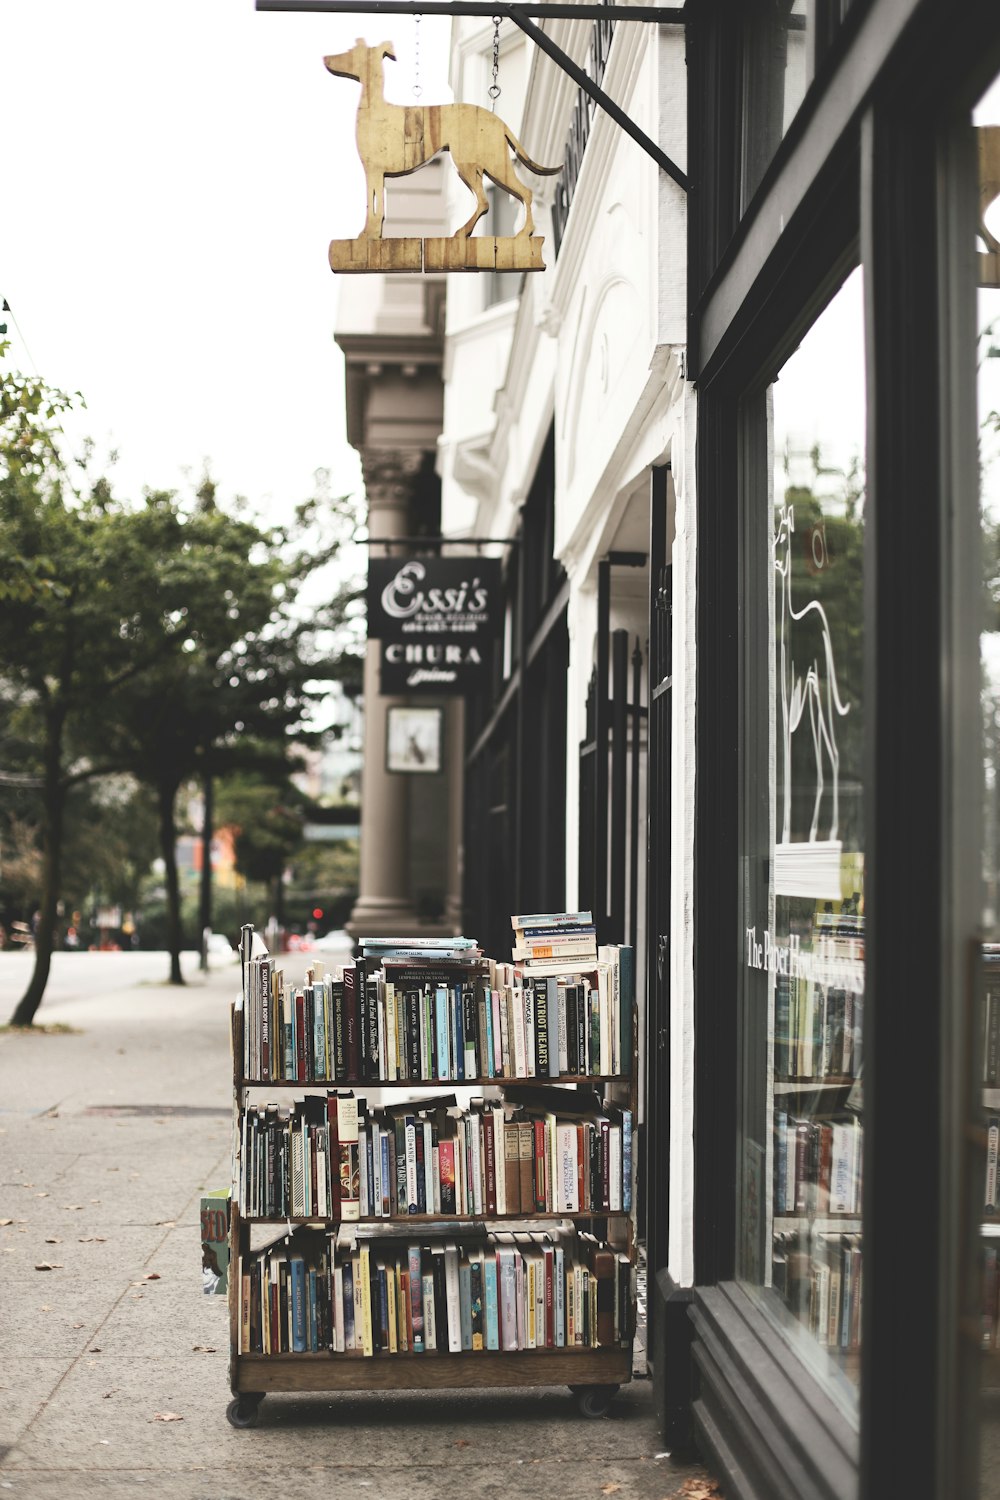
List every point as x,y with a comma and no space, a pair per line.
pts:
384,907
454,768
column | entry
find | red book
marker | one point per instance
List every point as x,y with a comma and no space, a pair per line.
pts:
550,1301
489,1151
541,1202
446,1167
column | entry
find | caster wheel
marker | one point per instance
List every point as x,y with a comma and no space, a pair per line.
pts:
594,1400
244,1411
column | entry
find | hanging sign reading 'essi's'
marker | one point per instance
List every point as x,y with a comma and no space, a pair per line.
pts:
395,139
436,618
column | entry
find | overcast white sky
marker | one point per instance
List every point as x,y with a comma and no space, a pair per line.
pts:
173,175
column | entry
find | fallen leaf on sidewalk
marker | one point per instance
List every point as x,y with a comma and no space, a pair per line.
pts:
5,1222
700,1489
77,1206
53,1241
96,1349
165,1416
461,1443
610,1489
203,1349
152,1276
77,1325
41,1195
44,1265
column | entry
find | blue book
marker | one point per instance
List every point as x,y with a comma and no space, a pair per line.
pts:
297,1272
492,1304
320,1069
490,1055
313,1340
386,1184
441,1008
288,1030
458,1031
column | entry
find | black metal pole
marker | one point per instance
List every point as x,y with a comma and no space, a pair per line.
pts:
664,15
205,902
601,752
519,16
619,781
633,876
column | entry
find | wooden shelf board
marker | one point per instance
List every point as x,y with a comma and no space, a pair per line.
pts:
483,1219
414,1372
438,1084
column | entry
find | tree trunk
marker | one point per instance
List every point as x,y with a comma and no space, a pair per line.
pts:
53,807
205,905
166,796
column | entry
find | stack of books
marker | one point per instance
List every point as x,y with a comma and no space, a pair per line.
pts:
554,942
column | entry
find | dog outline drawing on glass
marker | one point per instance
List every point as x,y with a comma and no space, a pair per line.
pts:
814,689
395,139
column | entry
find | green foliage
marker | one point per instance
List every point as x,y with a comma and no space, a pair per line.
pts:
161,638
267,816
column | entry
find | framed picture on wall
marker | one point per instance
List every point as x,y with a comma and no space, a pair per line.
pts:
413,740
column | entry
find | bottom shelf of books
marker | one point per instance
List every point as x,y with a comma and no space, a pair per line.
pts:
354,1308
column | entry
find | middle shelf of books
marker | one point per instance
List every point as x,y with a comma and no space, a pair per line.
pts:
434,1171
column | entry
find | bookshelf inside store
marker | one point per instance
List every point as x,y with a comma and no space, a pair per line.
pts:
989,993
433,1168
816,1137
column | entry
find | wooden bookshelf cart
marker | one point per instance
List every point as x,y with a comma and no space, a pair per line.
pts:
593,1375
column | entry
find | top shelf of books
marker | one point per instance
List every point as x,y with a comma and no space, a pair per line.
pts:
428,1011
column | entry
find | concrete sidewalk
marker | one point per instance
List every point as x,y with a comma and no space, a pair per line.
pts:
108,1138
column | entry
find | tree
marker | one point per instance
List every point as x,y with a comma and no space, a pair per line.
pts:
117,618
242,686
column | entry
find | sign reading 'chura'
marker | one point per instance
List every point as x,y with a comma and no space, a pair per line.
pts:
436,618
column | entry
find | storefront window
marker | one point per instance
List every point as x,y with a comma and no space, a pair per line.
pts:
802,886
987,120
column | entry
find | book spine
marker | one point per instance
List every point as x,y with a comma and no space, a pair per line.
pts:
443,1039
552,1025
416,1297
470,1032
413,1033
491,1302
541,995
458,1031
490,1174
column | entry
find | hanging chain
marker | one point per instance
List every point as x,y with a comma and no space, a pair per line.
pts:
417,89
494,89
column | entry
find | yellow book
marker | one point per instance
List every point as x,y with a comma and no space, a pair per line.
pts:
367,1341
245,1313
401,1278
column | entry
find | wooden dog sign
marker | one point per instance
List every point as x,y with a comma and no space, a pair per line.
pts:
394,139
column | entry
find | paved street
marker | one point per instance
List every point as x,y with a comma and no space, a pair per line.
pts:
108,1136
